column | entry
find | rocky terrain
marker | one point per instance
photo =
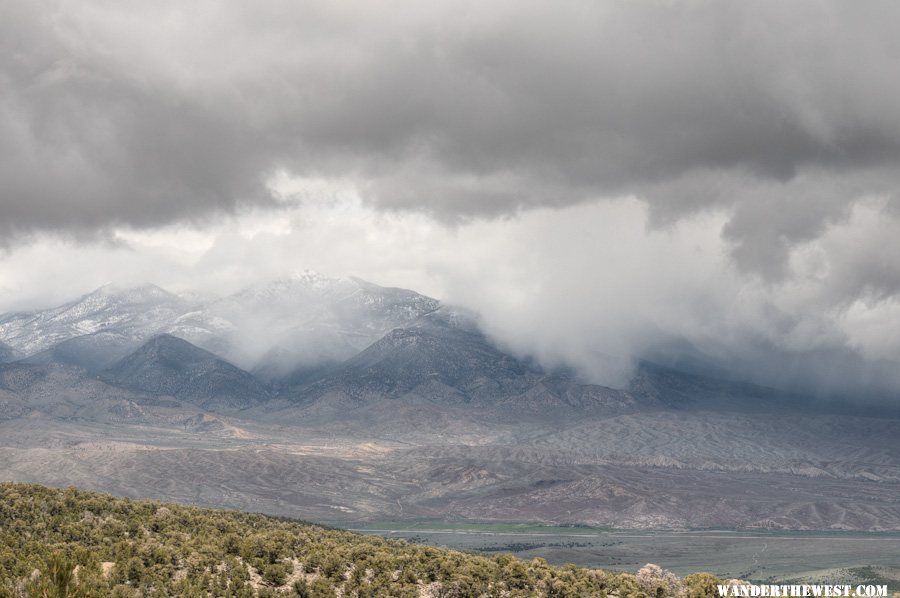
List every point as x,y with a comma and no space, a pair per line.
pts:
363,402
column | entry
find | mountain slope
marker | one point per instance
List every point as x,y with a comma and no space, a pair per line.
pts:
430,352
167,365
132,311
7,353
444,360
93,352
67,393
294,324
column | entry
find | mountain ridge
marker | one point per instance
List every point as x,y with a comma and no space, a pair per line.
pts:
170,366
429,418
272,328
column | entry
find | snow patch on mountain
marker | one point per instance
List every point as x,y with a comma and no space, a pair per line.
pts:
276,327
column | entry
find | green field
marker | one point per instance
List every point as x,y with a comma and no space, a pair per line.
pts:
762,555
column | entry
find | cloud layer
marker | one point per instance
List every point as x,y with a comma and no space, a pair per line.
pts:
753,145
591,286
142,114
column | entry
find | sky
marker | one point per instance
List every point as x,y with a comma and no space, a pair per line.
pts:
706,184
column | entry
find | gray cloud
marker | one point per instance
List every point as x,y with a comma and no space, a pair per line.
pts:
85,147
147,113
779,119
591,286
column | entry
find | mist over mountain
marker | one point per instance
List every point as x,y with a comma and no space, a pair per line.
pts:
304,321
289,330
355,402
274,328
128,312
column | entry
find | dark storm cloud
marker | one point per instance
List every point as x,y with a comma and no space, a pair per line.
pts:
86,143
144,113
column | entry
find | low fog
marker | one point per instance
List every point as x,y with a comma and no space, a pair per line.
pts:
595,287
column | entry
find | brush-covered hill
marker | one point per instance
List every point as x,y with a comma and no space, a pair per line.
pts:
67,542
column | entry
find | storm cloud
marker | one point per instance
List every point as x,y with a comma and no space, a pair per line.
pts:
775,124
145,114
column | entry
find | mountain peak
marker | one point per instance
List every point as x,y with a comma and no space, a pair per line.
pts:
132,294
114,296
179,352
307,284
167,340
315,278
172,366
302,319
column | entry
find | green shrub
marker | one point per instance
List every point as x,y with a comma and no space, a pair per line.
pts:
87,544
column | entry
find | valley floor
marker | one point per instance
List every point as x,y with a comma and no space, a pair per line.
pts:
648,470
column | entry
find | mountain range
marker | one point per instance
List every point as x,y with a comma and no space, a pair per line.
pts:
338,399
305,319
